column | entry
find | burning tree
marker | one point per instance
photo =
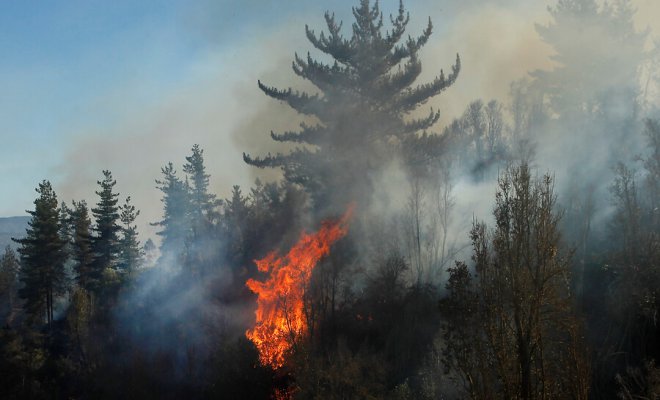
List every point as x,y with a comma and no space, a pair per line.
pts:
281,313
362,106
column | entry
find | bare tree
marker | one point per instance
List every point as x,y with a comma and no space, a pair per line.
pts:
528,335
415,210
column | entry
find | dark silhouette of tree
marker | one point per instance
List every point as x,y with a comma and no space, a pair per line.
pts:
365,97
201,251
130,253
236,220
106,240
635,258
176,203
81,246
9,270
465,356
477,140
202,203
42,257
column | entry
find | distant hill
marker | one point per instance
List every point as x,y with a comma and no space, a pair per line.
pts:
12,227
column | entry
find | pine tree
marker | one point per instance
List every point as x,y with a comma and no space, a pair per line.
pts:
42,257
82,252
66,226
235,218
202,203
149,252
130,254
202,214
591,77
175,227
106,241
365,97
9,269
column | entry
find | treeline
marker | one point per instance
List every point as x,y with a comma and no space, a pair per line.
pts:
84,304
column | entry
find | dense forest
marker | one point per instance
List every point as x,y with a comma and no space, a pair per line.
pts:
365,271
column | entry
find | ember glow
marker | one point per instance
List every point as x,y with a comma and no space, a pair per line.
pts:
280,309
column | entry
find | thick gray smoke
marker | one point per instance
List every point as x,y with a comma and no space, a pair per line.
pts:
572,113
218,105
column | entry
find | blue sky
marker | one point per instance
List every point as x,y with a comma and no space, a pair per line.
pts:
130,85
59,58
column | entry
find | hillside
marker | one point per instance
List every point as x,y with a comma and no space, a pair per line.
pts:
12,227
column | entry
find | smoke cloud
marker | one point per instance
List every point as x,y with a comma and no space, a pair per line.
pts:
216,102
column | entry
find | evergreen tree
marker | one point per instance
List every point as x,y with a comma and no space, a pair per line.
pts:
149,252
201,250
42,257
82,251
365,97
9,269
202,203
592,79
106,215
106,241
235,217
130,254
175,227
66,226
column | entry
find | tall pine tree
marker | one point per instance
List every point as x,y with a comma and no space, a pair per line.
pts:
130,253
9,269
106,240
202,213
363,108
42,257
81,245
175,227
202,203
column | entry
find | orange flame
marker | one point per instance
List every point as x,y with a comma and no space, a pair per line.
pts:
280,309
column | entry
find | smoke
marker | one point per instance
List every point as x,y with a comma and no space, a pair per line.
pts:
215,101
180,316
217,104
204,110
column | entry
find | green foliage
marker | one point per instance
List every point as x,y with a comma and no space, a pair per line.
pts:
176,204
365,95
190,216
130,253
22,359
79,320
202,203
201,253
42,257
9,271
106,214
81,246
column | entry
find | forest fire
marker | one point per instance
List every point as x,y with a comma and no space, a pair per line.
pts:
280,309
